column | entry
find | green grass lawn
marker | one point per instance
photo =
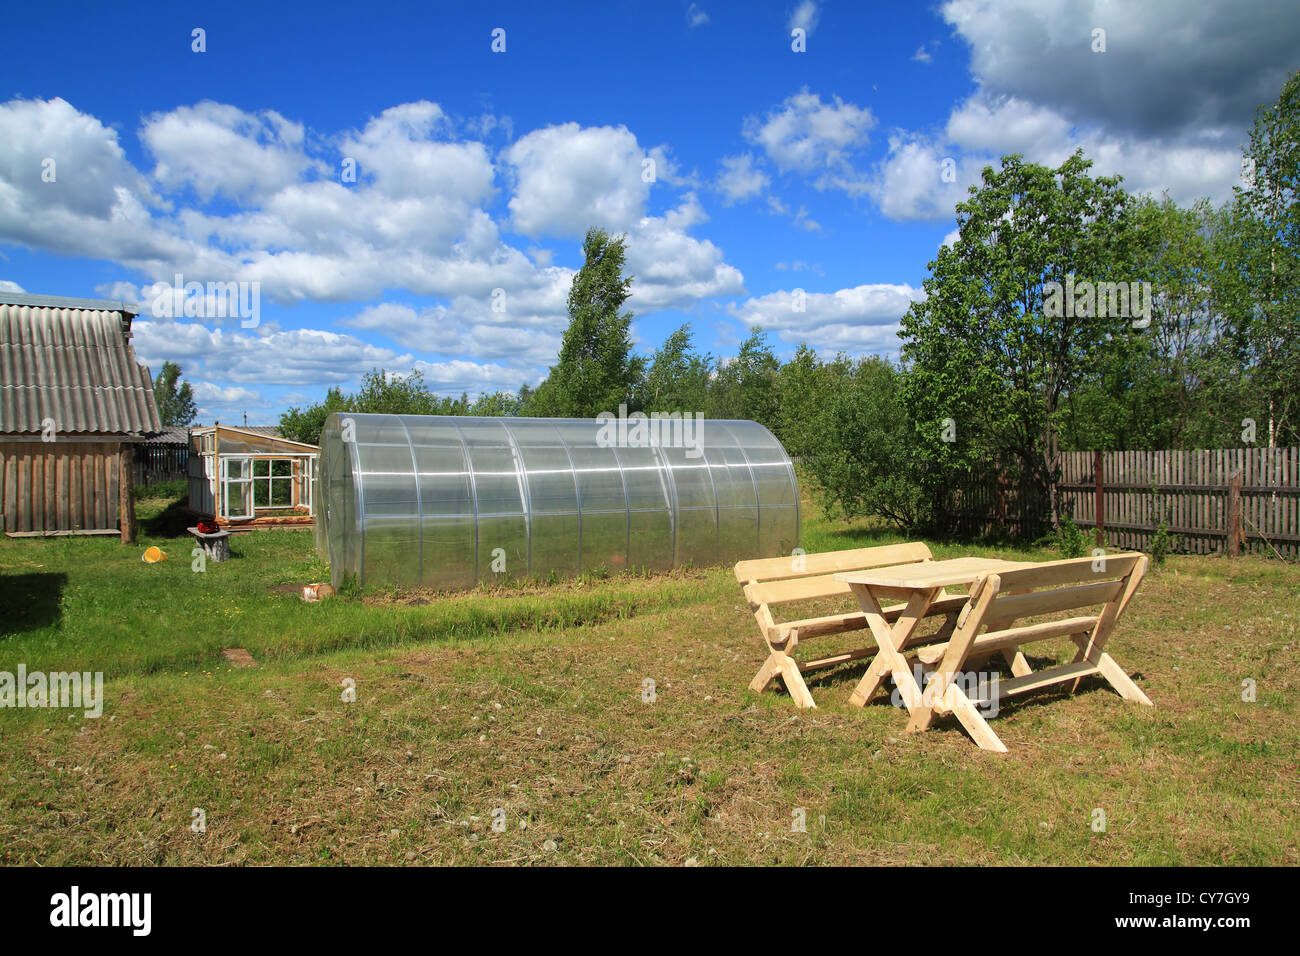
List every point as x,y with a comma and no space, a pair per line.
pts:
524,705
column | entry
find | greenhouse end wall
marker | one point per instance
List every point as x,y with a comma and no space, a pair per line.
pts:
448,502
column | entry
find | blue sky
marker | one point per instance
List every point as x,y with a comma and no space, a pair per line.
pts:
833,170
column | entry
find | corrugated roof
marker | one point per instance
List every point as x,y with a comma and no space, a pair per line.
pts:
72,364
169,435
66,302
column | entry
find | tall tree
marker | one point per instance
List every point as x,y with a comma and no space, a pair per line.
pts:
1183,382
677,379
745,386
174,397
1270,198
596,371
990,358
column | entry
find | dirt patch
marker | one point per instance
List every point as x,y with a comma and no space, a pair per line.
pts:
238,657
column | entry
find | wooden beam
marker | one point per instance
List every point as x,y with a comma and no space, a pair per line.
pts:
126,493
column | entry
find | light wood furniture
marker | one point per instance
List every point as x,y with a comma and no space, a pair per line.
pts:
1001,593
770,582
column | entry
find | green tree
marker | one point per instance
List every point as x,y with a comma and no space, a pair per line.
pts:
804,386
856,442
381,393
989,361
677,379
596,371
496,405
744,387
174,397
1270,206
306,424
1182,382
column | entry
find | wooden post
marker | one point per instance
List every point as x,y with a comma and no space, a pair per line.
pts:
1100,501
126,492
1234,516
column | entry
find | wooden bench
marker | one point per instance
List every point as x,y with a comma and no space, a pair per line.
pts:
985,626
770,582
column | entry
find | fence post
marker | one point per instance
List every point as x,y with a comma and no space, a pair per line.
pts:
1099,508
126,492
1234,515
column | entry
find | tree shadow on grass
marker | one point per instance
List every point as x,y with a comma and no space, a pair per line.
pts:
31,601
171,522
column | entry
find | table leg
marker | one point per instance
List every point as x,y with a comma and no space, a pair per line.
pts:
892,641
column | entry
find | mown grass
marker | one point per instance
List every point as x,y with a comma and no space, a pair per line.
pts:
531,703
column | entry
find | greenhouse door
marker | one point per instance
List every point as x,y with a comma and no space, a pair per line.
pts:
237,487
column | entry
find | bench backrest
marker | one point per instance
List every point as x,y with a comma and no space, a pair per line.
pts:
809,576
1000,598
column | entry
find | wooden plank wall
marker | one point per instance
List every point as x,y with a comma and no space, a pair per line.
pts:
70,486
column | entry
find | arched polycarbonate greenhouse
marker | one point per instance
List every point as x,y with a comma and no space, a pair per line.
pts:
446,502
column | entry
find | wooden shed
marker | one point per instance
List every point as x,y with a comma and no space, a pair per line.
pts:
74,403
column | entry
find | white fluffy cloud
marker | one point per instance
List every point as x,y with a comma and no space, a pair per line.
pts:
220,150
207,394
298,356
923,180
66,185
924,177
458,376
861,319
740,180
673,269
571,177
805,135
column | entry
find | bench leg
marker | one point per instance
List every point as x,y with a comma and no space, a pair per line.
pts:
771,667
1119,680
784,665
795,686
965,712
1110,670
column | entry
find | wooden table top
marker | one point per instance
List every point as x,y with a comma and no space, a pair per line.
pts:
928,574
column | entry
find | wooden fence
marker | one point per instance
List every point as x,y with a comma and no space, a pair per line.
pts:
1227,500
155,463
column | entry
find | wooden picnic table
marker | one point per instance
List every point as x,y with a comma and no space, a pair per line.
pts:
920,585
